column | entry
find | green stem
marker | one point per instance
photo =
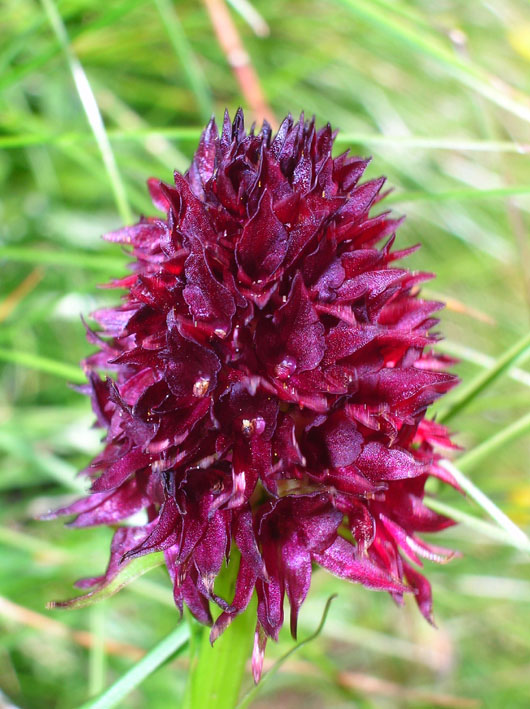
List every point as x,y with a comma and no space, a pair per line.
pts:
515,354
217,672
43,364
97,659
167,647
503,521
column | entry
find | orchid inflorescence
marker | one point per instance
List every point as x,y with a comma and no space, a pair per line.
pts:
271,373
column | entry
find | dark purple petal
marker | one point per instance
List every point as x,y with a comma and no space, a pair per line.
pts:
120,470
263,243
378,462
340,559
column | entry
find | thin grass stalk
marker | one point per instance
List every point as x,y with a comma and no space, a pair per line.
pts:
161,653
91,109
519,538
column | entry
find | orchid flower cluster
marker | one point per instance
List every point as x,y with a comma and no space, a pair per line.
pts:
270,371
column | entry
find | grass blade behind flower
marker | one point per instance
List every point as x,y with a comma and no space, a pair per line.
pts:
187,58
466,393
167,647
91,109
519,538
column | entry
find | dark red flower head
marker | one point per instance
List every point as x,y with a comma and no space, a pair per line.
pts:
272,373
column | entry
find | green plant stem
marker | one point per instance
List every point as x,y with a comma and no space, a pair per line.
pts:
97,660
157,656
476,386
517,535
486,448
187,58
43,364
486,529
217,672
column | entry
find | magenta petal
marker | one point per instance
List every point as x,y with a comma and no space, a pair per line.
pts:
298,318
119,471
380,463
258,653
165,534
422,591
208,300
263,243
340,559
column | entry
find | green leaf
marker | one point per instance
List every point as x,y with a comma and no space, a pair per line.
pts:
85,260
135,568
252,693
466,393
162,652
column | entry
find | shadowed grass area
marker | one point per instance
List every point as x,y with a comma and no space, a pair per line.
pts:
96,97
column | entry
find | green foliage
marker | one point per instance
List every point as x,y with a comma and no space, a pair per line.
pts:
129,573
96,97
167,647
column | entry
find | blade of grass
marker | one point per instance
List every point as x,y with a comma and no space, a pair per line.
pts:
7,78
162,652
91,109
460,194
43,364
520,540
47,626
97,656
39,548
11,302
428,143
480,359
499,440
466,394
86,260
251,694
187,58
54,467
486,529
466,72
251,16
239,60
59,555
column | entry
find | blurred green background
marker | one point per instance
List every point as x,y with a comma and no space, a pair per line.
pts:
437,91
